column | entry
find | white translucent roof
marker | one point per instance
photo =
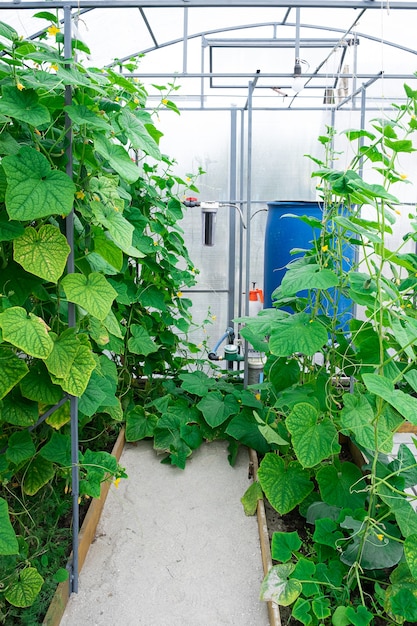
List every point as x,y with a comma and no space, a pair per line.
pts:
216,50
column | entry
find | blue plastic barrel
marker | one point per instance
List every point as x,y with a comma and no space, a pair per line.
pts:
285,233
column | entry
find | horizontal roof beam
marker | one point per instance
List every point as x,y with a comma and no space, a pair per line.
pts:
80,4
277,43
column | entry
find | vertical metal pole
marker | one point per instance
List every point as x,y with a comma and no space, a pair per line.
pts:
232,220
203,46
241,192
355,70
185,42
73,581
363,110
248,219
297,33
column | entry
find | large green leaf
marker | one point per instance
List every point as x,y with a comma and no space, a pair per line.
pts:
24,106
42,252
140,342
313,440
26,331
378,548
117,157
307,277
39,472
216,408
138,134
34,190
358,419
9,229
106,248
140,424
8,540
23,591
83,116
197,383
71,363
410,552
344,487
57,449
12,370
20,447
379,385
278,587
251,431
18,410
283,545
297,333
120,230
93,293
285,486
37,385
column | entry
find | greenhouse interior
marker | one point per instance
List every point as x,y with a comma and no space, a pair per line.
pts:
208,314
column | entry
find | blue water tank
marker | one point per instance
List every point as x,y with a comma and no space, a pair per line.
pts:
285,233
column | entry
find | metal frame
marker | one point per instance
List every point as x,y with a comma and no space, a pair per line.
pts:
238,154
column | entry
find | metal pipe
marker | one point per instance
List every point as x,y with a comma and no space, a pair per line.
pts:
232,220
241,194
108,4
69,225
185,41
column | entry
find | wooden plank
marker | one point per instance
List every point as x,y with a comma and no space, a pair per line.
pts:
59,601
273,608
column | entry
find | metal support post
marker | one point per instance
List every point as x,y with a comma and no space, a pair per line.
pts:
73,580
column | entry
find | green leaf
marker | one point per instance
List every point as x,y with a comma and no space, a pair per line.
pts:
301,611
359,616
284,486
245,428
404,464
26,331
326,532
357,418
39,473
108,250
93,293
191,434
216,409
8,540
339,617
343,488
57,450
372,549
19,411
283,545
9,229
321,607
410,552
8,32
405,404
71,363
24,106
43,252
138,134
37,385
197,383
20,447
307,277
403,145
297,333
140,342
12,370
93,396
404,604
117,158
23,592
61,575
313,441
34,190
120,230
278,587
83,116
251,497
139,424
